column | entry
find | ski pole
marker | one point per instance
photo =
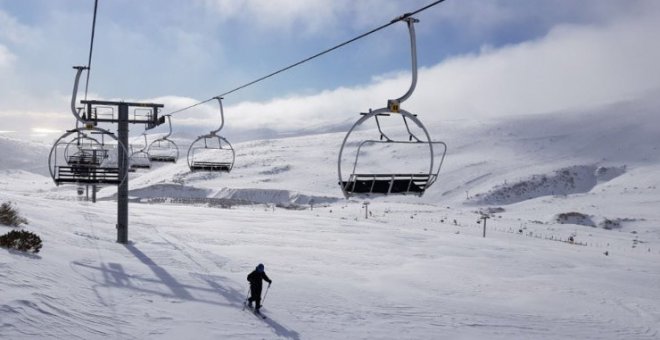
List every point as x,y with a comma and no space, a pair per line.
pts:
265,294
247,295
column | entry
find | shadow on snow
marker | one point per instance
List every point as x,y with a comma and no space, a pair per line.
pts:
114,275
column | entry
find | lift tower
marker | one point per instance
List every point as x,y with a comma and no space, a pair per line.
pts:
143,113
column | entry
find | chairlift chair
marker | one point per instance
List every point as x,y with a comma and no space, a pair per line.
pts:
371,182
164,149
212,152
84,150
140,159
82,160
93,165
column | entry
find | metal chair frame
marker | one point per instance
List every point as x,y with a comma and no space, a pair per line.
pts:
140,154
156,147
90,173
193,152
396,183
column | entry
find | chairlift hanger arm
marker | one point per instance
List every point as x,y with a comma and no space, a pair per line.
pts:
169,123
146,144
79,69
222,116
394,104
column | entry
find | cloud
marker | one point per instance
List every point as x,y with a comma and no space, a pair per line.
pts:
13,31
6,57
571,67
24,122
307,17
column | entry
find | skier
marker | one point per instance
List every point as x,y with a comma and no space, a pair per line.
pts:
255,278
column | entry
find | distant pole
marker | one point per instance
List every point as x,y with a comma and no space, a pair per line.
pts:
366,210
122,191
484,217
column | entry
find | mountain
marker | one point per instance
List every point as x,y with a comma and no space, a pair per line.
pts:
21,155
567,202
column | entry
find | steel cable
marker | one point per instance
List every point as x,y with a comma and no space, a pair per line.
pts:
400,18
91,48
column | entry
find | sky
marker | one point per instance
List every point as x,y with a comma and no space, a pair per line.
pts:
478,59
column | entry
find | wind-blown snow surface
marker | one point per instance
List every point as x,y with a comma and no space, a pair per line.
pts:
417,268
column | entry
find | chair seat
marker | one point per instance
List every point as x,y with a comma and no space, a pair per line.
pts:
140,166
87,175
386,184
84,159
211,166
170,159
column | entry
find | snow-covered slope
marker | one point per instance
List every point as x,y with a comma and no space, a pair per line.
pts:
484,158
21,155
416,268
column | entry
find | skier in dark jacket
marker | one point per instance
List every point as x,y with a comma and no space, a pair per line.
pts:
256,284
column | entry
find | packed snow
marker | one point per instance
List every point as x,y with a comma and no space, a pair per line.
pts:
572,245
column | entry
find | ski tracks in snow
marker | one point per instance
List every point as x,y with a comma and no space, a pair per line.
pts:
224,291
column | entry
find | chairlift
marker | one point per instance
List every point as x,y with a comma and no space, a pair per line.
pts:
140,159
93,164
84,150
164,149
363,181
212,152
83,160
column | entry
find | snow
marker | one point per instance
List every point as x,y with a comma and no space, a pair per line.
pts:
571,180
416,268
23,155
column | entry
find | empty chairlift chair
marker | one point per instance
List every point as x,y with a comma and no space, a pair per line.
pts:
84,150
164,149
76,158
212,152
82,160
140,159
365,178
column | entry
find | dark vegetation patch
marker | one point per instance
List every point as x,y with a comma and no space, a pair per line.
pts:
21,240
9,215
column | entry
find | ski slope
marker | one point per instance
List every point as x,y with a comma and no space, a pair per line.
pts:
416,268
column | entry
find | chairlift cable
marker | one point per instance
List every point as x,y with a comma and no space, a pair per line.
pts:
91,47
191,106
400,18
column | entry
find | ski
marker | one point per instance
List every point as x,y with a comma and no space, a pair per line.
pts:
251,309
257,314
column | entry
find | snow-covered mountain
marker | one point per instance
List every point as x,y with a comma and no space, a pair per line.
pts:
595,146
416,268
21,155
